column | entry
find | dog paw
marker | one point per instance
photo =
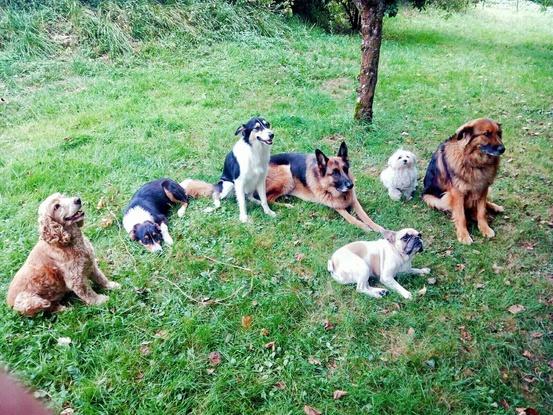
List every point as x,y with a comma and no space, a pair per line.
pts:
488,232
112,285
407,295
425,270
100,299
209,209
244,218
465,239
168,240
271,213
181,211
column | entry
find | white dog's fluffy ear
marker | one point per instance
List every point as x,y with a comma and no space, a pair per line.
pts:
390,236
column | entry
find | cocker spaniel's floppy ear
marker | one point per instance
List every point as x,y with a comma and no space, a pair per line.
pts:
52,232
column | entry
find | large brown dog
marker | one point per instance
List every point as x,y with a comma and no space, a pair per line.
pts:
320,179
63,260
461,172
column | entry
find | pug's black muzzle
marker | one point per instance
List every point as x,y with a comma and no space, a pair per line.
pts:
414,245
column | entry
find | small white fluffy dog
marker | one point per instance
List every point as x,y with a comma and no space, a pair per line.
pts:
356,262
400,177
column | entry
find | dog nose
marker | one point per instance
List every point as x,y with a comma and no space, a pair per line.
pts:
501,149
78,201
271,135
404,161
349,185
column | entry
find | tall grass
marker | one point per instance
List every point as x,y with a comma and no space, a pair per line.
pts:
116,27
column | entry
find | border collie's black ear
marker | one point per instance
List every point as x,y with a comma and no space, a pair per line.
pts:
464,132
132,233
343,151
321,160
390,236
240,130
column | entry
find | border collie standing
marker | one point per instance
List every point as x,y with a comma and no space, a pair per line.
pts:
145,218
244,171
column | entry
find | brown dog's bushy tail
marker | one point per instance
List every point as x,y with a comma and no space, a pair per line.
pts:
197,188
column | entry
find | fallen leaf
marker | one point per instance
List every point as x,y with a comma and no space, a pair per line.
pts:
536,334
526,411
67,411
496,268
64,341
431,280
280,385
459,267
101,203
106,221
215,358
247,321
422,291
145,349
411,331
516,308
270,345
328,325
529,246
139,376
504,404
338,394
264,332
479,286
465,335
550,363
313,360
210,371
161,334
528,355
299,256
309,410
431,363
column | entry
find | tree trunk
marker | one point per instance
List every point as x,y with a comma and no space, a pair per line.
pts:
372,13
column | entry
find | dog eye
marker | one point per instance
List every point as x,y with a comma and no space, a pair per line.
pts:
488,134
57,206
399,158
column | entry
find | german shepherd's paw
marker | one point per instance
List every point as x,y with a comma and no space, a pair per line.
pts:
99,299
464,238
487,232
112,285
425,270
245,219
495,208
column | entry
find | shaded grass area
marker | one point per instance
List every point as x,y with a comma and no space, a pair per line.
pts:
101,128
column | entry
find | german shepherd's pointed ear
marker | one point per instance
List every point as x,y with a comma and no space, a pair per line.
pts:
240,130
321,160
343,151
464,131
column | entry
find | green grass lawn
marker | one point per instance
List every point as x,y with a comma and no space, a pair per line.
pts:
101,128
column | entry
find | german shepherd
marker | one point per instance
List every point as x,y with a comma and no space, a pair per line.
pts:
320,179
461,172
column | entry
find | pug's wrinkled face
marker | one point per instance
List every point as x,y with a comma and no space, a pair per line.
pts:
62,209
408,241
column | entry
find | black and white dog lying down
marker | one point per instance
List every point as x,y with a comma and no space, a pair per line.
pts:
145,218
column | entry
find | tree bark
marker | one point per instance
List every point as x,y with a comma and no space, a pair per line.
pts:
372,13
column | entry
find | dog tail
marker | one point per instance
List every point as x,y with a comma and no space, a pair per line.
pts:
198,188
440,203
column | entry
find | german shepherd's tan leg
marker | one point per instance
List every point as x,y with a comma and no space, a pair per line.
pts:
364,217
459,219
481,217
353,220
494,208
